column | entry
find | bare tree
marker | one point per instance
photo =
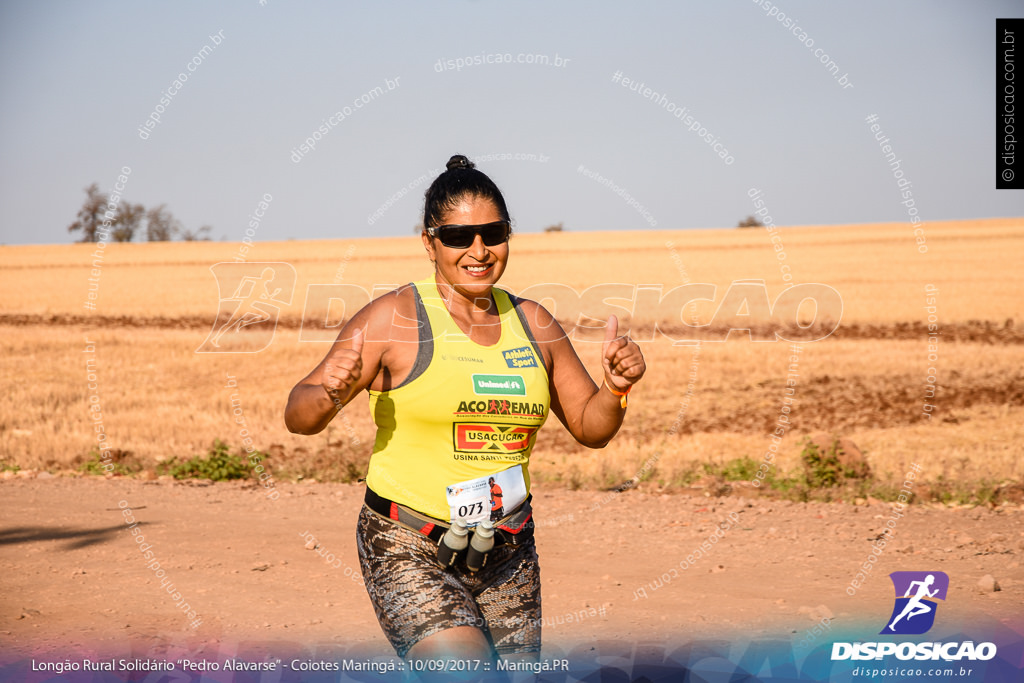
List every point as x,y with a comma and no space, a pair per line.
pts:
90,216
127,221
161,226
200,235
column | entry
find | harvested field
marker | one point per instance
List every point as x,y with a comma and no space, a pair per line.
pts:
156,303
942,397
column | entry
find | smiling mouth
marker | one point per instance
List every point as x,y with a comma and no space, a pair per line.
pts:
479,270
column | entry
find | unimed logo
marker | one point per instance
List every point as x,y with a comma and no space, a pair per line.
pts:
500,385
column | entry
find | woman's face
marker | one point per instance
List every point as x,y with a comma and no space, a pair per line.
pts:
472,271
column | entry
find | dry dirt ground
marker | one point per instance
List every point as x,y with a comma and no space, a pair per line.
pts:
75,583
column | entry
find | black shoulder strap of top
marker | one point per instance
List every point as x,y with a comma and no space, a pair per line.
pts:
526,327
425,348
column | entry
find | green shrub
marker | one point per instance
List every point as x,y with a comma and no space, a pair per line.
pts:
738,469
217,465
94,466
823,468
94,463
685,475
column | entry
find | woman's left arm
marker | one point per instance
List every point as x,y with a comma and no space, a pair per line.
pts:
591,413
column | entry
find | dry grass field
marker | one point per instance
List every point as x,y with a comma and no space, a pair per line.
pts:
700,407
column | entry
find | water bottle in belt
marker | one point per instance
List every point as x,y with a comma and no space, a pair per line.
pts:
452,543
480,545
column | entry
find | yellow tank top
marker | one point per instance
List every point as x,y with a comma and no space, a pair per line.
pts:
465,411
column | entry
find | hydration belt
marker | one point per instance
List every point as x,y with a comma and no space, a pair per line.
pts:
513,529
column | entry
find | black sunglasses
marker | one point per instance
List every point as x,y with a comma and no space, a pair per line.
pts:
462,236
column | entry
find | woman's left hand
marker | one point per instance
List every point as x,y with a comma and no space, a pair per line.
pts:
621,358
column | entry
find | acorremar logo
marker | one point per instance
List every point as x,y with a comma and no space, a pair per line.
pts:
913,613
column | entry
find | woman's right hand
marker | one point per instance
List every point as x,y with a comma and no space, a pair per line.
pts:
342,369
353,362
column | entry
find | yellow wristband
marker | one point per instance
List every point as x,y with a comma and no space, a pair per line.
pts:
621,394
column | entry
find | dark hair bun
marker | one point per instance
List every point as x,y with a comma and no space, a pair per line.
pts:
459,161
460,181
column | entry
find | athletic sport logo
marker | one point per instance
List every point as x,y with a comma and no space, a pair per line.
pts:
251,296
916,596
520,358
489,438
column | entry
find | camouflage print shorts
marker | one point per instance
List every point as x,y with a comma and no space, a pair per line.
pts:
415,598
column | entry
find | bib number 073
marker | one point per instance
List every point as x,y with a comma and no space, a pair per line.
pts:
471,509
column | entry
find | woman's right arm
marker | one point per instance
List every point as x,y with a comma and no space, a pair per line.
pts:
349,367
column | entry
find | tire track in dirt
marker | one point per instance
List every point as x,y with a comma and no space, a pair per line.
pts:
829,404
973,331
833,404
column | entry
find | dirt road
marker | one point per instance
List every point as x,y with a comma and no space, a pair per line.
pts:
623,567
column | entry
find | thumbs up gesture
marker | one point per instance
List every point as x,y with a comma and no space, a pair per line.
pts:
621,358
343,368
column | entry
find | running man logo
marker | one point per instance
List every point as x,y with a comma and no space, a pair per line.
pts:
250,299
916,595
478,438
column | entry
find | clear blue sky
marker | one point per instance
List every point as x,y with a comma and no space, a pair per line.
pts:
77,80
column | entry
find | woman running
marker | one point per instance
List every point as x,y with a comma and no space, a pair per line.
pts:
460,375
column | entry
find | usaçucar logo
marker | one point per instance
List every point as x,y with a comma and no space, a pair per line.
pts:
520,358
491,438
916,601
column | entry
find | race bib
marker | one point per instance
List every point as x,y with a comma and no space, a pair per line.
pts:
491,497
